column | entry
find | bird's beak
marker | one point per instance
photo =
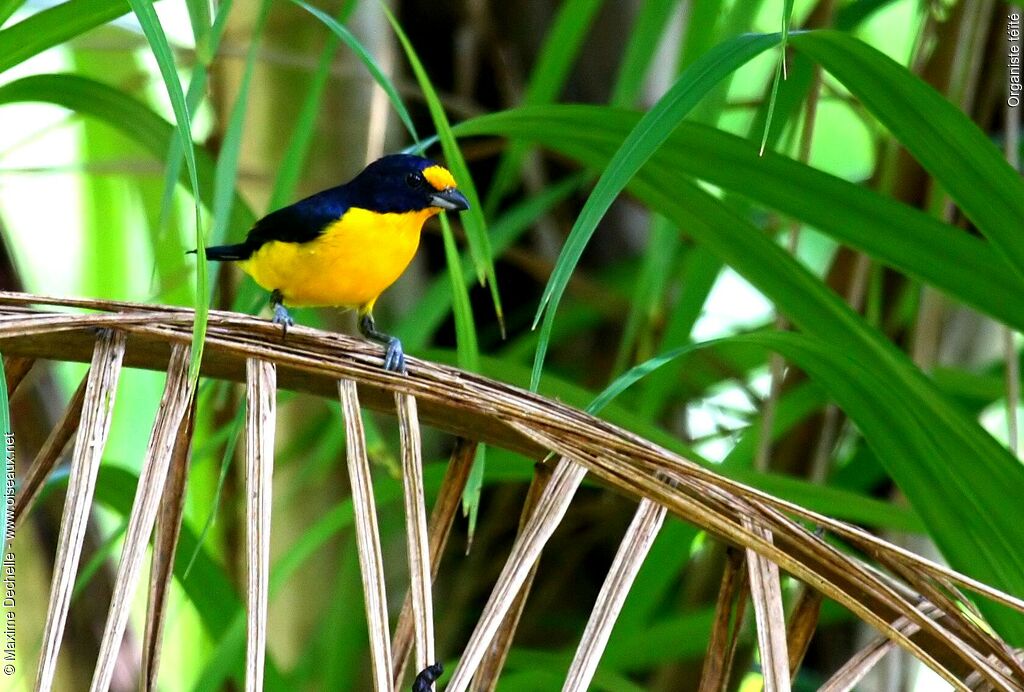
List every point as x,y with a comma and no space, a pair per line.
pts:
450,199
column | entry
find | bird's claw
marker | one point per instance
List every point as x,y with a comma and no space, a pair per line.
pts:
394,356
282,318
425,678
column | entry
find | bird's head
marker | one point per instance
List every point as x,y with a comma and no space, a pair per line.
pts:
403,183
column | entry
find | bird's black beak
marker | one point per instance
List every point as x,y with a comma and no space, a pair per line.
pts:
450,199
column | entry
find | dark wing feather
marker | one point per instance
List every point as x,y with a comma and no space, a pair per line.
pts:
301,222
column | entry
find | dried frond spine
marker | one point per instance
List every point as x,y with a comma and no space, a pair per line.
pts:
371,563
165,544
446,508
629,558
486,678
170,416
769,613
97,409
417,543
558,495
260,427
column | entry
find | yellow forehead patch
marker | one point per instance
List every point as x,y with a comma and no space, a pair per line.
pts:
439,177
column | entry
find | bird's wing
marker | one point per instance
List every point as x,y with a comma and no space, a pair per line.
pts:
301,222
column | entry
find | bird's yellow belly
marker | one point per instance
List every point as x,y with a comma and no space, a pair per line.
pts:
350,264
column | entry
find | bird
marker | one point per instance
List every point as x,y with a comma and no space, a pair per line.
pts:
344,246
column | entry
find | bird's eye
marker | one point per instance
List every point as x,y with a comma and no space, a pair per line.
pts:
414,179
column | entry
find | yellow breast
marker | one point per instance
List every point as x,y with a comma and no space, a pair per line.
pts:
351,263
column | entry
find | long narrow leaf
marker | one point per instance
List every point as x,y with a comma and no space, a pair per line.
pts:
122,112
304,129
8,8
965,513
207,42
907,239
226,174
652,130
946,142
780,71
651,22
53,26
154,31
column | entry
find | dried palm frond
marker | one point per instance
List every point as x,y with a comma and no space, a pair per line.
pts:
438,530
97,407
914,603
261,394
170,417
417,543
371,561
633,550
165,545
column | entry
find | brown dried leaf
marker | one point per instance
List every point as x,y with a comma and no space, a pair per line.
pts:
769,613
952,642
486,678
15,369
729,611
802,623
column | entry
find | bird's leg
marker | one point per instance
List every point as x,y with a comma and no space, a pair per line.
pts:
425,679
281,315
394,356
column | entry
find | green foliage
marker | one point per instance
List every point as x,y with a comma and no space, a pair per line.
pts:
154,31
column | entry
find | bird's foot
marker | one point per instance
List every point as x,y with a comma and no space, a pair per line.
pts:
425,678
394,356
282,318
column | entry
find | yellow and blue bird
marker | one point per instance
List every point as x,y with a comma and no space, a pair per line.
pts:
345,246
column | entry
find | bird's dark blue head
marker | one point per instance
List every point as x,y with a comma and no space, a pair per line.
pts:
402,183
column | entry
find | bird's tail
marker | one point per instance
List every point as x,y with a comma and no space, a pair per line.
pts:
227,253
